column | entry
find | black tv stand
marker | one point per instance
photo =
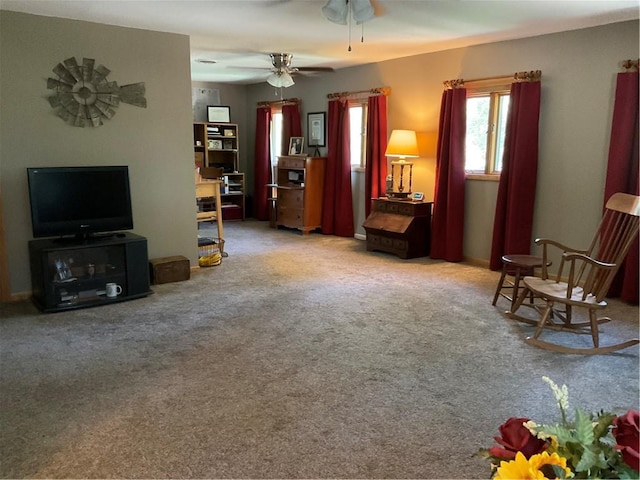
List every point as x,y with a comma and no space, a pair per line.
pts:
82,238
70,272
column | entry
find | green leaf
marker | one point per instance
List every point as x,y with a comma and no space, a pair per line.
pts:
584,428
559,471
627,473
594,462
587,461
563,434
604,422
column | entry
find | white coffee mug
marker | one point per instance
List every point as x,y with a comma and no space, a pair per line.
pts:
113,290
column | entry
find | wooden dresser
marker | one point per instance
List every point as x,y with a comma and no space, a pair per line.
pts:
400,227
300,184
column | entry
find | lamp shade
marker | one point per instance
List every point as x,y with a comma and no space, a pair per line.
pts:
280,79
403,144
362,11
336,11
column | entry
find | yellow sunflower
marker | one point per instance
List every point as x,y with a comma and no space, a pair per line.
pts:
536,468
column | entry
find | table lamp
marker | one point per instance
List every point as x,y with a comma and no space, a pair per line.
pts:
402,144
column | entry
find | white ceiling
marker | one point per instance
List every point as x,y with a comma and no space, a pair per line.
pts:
239,34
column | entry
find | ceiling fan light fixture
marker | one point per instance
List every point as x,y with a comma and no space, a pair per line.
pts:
336,11
280,79
362,10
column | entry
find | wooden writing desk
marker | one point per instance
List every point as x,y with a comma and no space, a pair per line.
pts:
400,227
211,188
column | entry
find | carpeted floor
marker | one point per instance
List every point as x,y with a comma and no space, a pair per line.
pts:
297,357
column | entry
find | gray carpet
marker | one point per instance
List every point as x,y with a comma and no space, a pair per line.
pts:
297,357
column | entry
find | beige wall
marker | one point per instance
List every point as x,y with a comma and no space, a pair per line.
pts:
579,70
155,142
578,80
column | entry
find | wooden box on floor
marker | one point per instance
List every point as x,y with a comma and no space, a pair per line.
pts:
169,269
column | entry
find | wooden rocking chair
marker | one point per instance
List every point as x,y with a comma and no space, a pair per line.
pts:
590,273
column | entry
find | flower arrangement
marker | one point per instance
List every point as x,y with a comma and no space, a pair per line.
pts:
600,445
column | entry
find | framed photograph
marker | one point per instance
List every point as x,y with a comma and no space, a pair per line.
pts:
229,132
215,144
316,126
227,144
296,146
218,114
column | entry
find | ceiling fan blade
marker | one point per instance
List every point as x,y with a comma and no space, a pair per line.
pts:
250,68
315,69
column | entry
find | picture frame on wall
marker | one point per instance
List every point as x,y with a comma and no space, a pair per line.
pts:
296,146
220,114
316,129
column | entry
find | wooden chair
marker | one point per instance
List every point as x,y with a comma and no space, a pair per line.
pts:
589,276
206,202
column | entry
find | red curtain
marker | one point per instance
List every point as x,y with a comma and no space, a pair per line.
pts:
622,172
337,204
513,222
262,164
291,125
447,225
376,168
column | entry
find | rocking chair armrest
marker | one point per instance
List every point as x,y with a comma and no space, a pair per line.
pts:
564,248
545,243
572,257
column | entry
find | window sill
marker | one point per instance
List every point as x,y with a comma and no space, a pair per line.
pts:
486,177
357,169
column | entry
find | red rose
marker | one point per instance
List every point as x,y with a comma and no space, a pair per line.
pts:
626,431
516,438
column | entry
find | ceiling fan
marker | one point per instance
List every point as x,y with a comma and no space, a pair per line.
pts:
281,75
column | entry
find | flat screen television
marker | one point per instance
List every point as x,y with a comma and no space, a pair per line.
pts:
79,201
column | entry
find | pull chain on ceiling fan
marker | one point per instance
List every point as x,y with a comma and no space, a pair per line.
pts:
337,11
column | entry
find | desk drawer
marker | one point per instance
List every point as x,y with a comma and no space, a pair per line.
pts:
410,209
291,198
290,217
291,162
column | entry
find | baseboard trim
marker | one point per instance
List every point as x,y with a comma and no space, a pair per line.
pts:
360,236
477,262
18,297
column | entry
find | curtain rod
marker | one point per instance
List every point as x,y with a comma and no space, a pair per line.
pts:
374,91
286,101
530,76
631,65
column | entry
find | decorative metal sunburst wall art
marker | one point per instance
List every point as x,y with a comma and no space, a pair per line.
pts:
84,95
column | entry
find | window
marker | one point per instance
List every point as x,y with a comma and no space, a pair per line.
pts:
357,131
276,136
358,134
487,109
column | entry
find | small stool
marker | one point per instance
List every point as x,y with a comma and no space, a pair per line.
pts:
517,266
